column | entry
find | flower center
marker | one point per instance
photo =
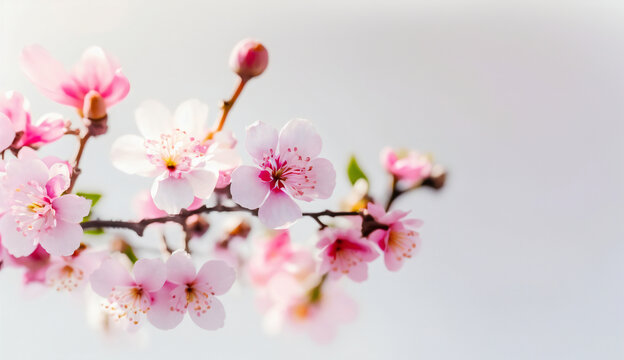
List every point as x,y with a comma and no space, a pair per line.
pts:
176,152
130,302
401,243
32,209
289,171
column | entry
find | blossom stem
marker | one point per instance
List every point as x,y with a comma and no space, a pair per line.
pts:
394,194
76,165
225,107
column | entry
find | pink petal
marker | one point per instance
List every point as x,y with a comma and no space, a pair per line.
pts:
218,274
212,319
203,182
94,71
23,171
247,189
110,274
49,76
117,90
7,134
261,139
17,244
128,155
180,268
62,240
153,119
171,194
57,185
278,210
161,315
359,272
302,135
151,274
71,208
47,129
392,261
325,176
192,116
14,106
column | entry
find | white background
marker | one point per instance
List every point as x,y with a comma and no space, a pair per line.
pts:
522,100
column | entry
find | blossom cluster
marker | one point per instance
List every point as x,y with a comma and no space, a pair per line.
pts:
47,228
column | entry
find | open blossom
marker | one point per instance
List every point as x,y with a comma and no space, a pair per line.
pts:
271,255
46,129
96,72
172,150
288,167
37,212
129,297
195,292
317,310
399,241
69,273
409,167
345,252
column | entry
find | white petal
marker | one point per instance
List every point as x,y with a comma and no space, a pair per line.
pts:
261,139
171,194
153,119
203,182
128,155
302,135
192,116
247,188
279,210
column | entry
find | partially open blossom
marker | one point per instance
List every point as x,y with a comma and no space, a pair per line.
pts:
37,212
249,58
96,71
409,167
399,241
288,167
195,292
172,151
48,128
129,297
317,310
70,273
345,252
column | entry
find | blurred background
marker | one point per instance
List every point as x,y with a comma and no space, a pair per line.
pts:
523,251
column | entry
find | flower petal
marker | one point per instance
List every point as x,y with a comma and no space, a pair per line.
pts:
261,139
71,208
325,177
180,268
110,274
161,314
128,155
22,171
117,89
7,134
247,188
302,135
212,319
153,119
171,194
95,71
62,240
191,116
279,210
218,274
17,244
203,182
151,274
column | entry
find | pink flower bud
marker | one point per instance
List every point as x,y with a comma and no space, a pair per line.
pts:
249,58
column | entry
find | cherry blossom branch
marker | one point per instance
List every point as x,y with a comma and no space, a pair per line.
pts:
76,165
225,107
368,226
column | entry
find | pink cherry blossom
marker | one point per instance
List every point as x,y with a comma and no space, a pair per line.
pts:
249,58
287,168
7,133
35,265
95,72
409,167
37,212
69,273
345,252
269,257
171,150
317,310
47,129
399,241
145,208
129,297
192,291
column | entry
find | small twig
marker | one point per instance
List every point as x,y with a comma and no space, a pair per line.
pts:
226,106
395,193
76,165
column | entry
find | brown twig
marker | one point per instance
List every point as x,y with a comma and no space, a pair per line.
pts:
76,165
226,106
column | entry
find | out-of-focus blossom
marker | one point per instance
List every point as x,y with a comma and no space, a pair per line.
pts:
288,167
145,208
7,134
37,212
172,151
249,58
223,140
129,297
35,265
69,273
46,129
95,72
195,292
409,167
399,241
345,252
317,310
358,198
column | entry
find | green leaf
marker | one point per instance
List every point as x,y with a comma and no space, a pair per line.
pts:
93,197
354,171
94,231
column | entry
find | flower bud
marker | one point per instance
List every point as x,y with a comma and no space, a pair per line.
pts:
197,225
249,58
437,178
94,113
